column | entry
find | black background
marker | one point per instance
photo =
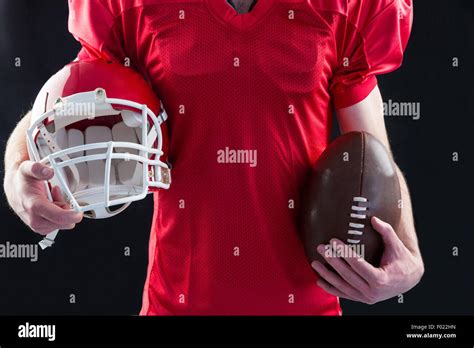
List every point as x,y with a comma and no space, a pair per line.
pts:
89,261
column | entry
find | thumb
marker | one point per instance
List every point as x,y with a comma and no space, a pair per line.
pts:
390,238
36,170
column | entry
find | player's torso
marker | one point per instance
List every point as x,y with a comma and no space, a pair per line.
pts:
248,101
200,55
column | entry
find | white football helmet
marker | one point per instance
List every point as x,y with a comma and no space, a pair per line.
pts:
99,125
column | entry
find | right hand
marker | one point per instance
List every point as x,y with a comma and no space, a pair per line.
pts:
26,194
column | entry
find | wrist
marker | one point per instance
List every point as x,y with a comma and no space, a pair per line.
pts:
419,268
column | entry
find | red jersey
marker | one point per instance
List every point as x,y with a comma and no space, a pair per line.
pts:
250,99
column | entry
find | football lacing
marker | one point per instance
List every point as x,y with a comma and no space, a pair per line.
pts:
358,213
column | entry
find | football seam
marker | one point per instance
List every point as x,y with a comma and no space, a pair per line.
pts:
358,211
362,165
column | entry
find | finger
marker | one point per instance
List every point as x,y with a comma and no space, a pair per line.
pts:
57,195
67,227
344,269
332,290
390,238
40,225
63,205
36,170
335,280
60,216
368,272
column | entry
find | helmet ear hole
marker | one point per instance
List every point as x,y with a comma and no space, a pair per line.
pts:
51,127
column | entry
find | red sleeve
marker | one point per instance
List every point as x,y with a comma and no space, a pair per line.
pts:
370,39
92,23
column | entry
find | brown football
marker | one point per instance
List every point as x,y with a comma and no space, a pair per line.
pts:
353,180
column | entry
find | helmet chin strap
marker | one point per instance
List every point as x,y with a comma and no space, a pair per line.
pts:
48,241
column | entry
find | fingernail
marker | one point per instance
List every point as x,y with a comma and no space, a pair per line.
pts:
314,264
46,172
320,249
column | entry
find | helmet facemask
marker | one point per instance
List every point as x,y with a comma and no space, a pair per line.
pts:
105,152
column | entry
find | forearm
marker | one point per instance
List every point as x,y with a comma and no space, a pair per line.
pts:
406,229
16,151
368,116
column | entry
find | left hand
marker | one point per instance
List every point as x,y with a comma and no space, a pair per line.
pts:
357,280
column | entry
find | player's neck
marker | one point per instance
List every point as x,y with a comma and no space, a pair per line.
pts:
241,6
